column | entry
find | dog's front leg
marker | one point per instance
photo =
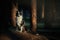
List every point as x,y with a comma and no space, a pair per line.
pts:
21,29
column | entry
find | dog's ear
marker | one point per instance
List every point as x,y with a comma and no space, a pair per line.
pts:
18,13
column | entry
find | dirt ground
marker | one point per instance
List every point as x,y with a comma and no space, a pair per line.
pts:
29,36
22,36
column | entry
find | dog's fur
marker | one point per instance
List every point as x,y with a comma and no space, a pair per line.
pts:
19,21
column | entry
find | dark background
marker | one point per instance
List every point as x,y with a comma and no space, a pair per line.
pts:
50,25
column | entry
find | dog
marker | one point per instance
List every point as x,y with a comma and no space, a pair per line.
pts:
19,21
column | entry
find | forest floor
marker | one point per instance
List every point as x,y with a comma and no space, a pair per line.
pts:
29,36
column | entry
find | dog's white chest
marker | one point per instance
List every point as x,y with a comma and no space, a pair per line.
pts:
19,20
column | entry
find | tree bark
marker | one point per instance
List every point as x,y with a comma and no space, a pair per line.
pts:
13,16
42,8
34,20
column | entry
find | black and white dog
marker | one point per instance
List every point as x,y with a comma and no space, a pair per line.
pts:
19,21
20,24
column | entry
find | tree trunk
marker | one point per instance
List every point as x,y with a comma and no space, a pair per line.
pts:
42,8
34,20
13,16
